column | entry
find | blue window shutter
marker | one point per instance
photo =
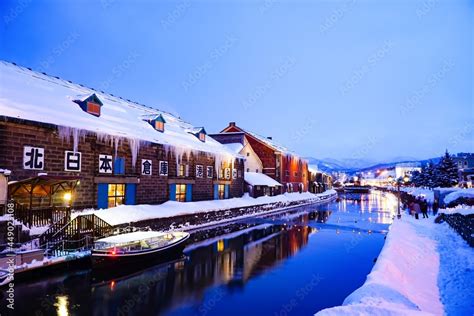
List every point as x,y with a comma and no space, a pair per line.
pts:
172,192
216,191
119,165
130,193
226,191
102,192
189,192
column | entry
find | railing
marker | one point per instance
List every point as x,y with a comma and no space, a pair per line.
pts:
41,216
77,233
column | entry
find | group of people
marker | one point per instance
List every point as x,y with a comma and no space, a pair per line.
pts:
418,205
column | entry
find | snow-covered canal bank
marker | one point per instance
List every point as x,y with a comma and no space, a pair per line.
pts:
424,268
291,263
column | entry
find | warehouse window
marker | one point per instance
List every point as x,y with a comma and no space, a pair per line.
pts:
221,191
116,195
181,192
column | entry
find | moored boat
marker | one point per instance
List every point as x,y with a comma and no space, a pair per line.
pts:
138,247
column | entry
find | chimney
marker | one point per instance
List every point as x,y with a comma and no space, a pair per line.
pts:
231,123
270,138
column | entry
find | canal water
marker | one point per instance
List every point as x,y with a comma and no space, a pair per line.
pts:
294,263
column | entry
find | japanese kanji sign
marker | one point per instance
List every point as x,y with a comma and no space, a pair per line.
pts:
163,168
33,158
105,164
210,172
72,161
199,171
234,173
227,173
146,167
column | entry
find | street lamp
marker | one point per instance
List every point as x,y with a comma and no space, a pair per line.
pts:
400,181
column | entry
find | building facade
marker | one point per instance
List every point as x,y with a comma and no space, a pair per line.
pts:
319,181
120,151
277,161
464,160
406,169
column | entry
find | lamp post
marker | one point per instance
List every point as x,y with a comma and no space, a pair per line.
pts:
400,181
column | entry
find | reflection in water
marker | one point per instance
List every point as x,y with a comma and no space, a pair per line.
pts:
228,261
62,307
284,248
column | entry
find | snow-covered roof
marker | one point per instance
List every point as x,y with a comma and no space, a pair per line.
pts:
461,193
267,141
255,178
234,147
30,95
271,143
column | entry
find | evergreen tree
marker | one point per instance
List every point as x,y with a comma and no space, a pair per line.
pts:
416,178
448,171
431,176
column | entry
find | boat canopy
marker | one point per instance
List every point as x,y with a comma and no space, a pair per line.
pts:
132,237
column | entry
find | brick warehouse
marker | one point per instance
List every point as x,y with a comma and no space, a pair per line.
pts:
121,152
278,162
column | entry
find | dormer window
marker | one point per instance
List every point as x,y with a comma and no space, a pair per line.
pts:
200,133
202,137
157,121
160,126
90,104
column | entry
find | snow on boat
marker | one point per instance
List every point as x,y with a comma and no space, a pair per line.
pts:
137,247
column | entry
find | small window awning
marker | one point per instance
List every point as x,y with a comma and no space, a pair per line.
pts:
256,178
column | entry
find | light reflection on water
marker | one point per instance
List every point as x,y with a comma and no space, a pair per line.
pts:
263,267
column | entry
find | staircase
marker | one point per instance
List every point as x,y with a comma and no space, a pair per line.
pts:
79,233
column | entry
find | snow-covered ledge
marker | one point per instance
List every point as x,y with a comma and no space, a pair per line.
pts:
135,213
414,274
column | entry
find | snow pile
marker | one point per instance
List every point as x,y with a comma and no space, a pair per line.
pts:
459,209
9,217
38,230
5,171
424,268
461,193
256,178
132,213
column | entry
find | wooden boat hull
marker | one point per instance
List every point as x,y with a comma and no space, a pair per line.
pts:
105,261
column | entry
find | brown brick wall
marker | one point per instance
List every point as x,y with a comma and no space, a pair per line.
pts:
150,190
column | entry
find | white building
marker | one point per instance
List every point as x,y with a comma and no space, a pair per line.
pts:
252,161
406,169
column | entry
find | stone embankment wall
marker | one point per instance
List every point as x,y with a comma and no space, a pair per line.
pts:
209,218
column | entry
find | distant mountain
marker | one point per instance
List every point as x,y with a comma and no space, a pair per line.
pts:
355,165
344,165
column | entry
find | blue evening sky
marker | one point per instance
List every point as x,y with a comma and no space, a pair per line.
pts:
342,79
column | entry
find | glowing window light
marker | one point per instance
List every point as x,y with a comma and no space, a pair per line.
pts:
220,245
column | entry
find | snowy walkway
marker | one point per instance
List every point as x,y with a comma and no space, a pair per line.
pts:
134,213
424,268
